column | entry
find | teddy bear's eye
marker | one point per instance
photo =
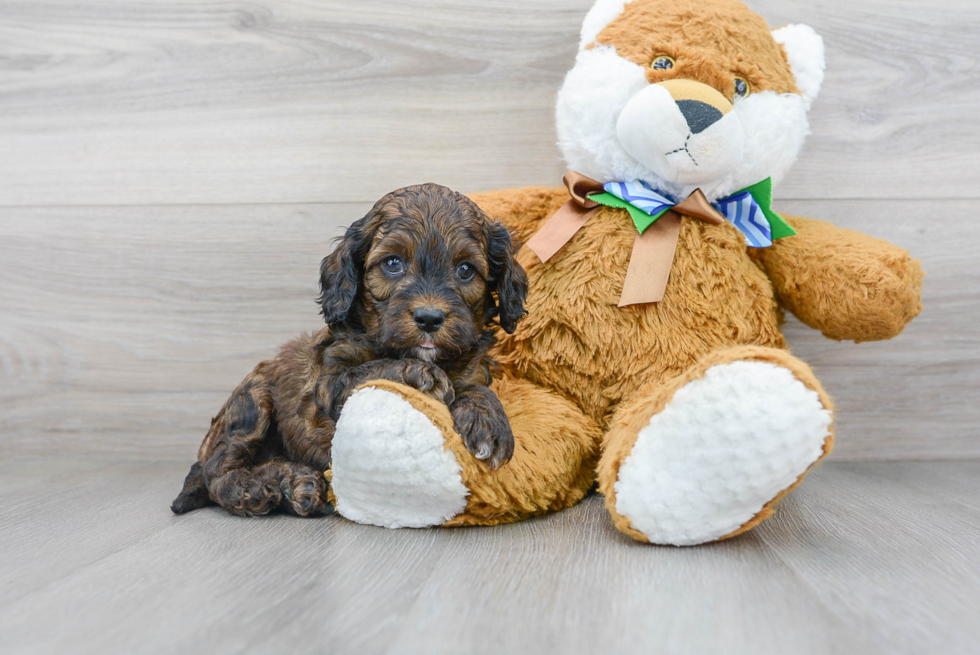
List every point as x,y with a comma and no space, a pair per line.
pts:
662,63
741,87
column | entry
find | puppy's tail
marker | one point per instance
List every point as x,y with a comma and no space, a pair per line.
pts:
194,494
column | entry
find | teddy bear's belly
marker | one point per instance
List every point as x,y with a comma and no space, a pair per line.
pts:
575,339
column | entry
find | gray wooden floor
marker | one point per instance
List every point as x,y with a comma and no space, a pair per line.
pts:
171,174
864,558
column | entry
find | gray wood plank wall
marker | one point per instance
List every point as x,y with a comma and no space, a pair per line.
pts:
171,173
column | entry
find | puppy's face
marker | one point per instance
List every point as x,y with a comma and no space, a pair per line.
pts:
424,273
426,278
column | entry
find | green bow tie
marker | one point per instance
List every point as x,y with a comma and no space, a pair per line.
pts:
750,209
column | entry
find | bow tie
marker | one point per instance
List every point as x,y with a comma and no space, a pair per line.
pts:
657,219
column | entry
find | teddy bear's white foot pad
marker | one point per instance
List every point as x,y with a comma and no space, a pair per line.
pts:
724,446
390,464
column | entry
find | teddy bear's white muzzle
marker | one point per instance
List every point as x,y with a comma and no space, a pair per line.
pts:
680,140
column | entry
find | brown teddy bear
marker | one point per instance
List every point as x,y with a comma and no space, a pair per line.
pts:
651,357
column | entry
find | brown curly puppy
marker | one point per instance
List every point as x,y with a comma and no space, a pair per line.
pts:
410,294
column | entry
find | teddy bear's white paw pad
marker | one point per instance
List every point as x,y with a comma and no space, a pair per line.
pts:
390,464
724,446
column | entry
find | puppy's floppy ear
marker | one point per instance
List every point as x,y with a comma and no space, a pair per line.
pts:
506,275
341,271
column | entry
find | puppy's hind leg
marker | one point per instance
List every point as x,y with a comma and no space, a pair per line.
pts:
194,495
229,451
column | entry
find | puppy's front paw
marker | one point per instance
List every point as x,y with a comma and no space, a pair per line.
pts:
486,436
306,494
430,380
244,494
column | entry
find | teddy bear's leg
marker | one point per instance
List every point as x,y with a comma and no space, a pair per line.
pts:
397,461
709,454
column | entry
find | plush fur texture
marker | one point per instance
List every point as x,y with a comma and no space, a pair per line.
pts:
848,285
723,303
805,54
601,14
632,418
576,340
725,445
713,42
667,395
383,444
552,467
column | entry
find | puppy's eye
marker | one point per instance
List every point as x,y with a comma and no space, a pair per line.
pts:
662,63
393,265
742,88
465,271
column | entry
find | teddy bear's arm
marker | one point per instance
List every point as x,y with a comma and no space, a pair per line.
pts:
522,210
844,283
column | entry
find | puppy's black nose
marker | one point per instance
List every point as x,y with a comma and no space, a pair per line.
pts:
429,319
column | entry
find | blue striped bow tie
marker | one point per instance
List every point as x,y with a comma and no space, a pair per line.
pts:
750,210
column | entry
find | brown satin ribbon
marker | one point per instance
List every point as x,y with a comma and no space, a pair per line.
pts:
569,218
653,251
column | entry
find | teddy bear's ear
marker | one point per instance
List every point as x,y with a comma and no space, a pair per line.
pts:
804,50
601,14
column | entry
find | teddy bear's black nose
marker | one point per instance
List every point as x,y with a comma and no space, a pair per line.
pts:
699,115
429,319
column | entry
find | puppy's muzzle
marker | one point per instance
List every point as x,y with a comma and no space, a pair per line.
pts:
685,131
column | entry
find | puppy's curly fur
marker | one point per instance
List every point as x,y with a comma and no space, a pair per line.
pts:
410,294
